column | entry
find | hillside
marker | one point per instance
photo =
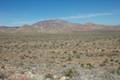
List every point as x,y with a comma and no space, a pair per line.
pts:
60,26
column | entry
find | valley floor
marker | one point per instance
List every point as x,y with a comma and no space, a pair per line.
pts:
72,56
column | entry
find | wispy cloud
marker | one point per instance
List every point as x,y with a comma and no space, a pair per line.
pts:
85,16
82,16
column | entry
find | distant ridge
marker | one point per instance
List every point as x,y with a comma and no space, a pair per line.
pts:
9,27
60,26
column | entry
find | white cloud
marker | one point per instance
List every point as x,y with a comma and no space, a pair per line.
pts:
86,16
82,16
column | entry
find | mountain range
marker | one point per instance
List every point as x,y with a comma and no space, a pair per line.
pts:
58,26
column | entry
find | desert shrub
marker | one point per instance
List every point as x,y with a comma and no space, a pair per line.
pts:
115,71
69,58
117,61
77,56
104,63
74,52
111,60
70,72
102,50
65,52
118,70
49,76
2,76
89,66
53,52
82,65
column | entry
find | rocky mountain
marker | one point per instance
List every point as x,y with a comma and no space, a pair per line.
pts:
58,26
51,26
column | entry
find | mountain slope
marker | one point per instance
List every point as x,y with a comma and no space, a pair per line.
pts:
59,26
52,26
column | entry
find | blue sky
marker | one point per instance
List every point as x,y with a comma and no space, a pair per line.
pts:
19,12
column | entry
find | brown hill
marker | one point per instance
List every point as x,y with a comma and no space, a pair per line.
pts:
51,26
59,26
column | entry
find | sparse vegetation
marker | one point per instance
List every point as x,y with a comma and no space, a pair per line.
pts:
41,53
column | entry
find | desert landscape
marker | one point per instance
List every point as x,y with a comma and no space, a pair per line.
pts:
90,54
59,40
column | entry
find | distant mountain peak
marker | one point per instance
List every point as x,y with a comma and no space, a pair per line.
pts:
53,21
57,25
